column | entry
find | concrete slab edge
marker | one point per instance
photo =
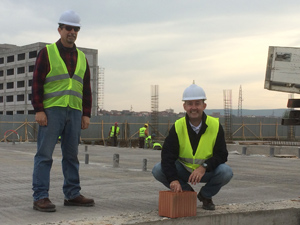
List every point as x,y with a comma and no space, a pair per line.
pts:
289,216
267,213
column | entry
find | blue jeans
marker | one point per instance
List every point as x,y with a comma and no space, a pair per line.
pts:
214,180
64,122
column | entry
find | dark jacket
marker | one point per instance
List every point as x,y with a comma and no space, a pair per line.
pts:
170,151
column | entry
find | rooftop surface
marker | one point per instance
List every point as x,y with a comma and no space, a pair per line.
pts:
127,194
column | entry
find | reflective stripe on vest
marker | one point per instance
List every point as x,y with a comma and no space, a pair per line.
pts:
205,145
113,131
142,131
59,88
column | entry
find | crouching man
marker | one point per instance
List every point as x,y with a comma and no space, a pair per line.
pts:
195,151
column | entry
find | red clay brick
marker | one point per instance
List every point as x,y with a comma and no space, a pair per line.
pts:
175,205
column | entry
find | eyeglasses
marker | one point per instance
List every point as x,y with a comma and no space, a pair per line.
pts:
69,28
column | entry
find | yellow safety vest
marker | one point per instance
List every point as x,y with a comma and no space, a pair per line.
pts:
148,139
205,146
113,131
142,131
59,88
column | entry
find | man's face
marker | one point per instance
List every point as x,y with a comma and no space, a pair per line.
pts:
194,108
68,35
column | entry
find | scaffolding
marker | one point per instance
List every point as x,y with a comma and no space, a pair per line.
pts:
240,106
100,100
227,114
154,110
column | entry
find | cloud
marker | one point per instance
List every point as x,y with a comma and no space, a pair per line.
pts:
219,44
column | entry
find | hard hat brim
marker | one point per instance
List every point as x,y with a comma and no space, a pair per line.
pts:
68,23
191,98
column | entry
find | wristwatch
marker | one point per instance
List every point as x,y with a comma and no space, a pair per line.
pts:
204,165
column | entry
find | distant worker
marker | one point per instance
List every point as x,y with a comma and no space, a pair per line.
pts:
156,146
114,133
148,141
143,133
195,151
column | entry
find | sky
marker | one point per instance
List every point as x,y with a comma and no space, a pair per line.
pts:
219,44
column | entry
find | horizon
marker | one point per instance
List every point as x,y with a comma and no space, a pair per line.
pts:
221,45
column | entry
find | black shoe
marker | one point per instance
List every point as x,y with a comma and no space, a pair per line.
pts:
207,203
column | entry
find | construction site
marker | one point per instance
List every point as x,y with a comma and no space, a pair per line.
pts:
17,121
264,188
238,129
264,154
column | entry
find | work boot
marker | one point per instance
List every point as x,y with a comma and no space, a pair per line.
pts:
207,202
80,201
44,205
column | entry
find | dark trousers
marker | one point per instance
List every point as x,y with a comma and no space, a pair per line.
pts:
113,141
141,142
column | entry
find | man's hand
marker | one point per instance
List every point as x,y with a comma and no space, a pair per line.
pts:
85,122
197,175
41,118
175,186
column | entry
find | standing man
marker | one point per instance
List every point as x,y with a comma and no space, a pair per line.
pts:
114,133
61,98
143,133
195,151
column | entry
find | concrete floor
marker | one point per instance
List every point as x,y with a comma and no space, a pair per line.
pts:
129,192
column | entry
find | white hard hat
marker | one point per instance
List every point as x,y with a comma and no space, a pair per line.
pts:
70,18
193,92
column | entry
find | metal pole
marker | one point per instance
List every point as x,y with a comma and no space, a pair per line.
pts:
116,160
87,158
144,164
272,151
244,151
86,155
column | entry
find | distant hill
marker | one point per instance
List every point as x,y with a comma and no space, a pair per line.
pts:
251,112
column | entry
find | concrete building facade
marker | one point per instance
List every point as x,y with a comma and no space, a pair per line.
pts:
16,71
